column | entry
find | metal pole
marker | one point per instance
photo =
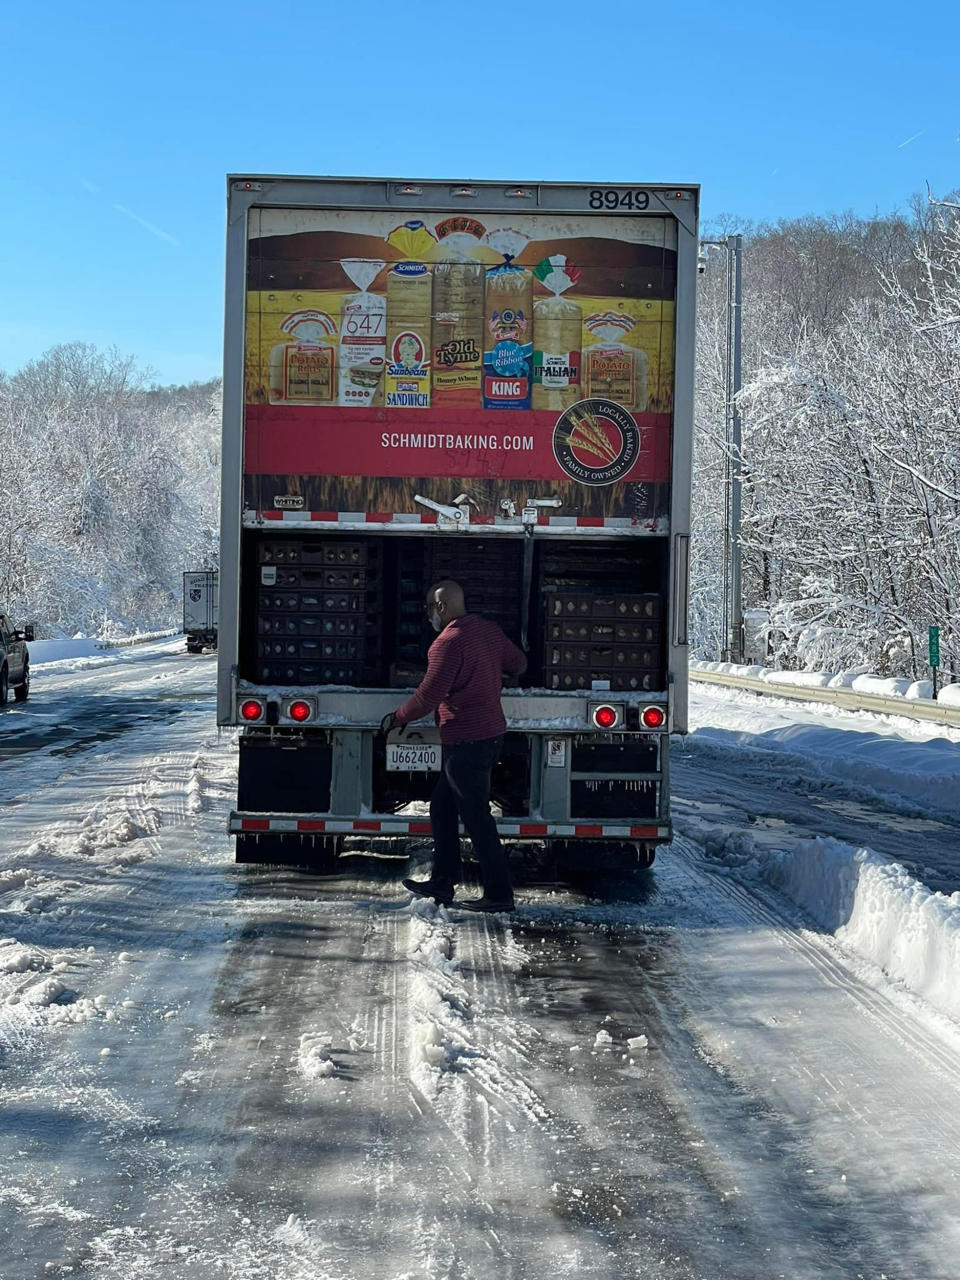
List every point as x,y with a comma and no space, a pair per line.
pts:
735,247
725,652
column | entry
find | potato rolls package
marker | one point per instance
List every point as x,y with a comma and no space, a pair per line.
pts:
613,368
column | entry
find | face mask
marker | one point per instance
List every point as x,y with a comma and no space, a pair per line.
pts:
435,620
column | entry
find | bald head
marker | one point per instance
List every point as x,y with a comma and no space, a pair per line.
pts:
445,600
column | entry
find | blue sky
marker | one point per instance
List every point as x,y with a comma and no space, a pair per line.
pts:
120,122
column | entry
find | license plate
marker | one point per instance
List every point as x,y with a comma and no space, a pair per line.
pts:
421,757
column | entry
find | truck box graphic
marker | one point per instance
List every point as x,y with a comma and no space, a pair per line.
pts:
501,394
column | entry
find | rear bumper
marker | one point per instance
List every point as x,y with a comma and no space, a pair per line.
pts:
386,824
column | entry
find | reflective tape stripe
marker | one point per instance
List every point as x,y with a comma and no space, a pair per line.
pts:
399,827
430,517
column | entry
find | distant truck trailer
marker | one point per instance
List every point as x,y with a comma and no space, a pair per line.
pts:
201,608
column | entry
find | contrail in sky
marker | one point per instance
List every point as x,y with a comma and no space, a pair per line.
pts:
913,139
148,226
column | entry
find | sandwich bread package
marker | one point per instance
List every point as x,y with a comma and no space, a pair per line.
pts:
613,369
458,314
508,325
409,288
303,370
557,327
363,335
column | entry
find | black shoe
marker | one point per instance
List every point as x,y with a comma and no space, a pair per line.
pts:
486,904
441,893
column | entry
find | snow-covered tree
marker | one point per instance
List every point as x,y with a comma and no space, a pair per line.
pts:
108,493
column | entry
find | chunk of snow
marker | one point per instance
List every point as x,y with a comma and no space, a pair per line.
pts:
800,679
21,960
637,1042
602,1039
920,689
314,1061
881,686
949,695
43,992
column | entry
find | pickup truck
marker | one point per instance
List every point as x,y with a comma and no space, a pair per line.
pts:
14,661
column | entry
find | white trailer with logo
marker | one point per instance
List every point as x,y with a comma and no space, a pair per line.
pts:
486,381
201,608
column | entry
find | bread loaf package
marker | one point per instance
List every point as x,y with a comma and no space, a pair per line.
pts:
457,333
508,326
303,370
557,327
409,287
613,369
363,334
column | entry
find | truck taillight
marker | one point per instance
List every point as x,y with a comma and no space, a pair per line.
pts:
251,709
605,717
653,717
299,711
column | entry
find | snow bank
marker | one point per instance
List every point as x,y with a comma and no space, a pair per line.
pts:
858,680
45,651
924,773
870,905
42,651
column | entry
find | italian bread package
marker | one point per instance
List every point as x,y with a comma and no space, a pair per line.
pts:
613,369
557,328
363,334
508,326
304,370
409,288
458,315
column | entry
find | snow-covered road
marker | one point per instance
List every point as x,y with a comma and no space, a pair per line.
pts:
212,1070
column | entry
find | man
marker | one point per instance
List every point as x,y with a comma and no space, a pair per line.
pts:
465,669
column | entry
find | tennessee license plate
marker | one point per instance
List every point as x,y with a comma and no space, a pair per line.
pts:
422,757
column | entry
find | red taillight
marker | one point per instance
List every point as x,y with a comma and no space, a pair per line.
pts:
299,711
605,717
251,709
653,717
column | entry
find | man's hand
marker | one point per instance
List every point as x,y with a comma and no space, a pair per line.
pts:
389,722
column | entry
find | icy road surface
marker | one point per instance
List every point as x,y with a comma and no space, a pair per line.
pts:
211,1071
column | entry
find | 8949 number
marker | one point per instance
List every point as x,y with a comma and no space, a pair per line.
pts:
613,198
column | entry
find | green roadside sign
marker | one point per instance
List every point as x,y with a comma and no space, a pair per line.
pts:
933,640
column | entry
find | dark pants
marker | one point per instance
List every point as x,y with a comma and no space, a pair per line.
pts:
462,794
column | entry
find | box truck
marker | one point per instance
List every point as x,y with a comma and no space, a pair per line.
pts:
484,381
201,609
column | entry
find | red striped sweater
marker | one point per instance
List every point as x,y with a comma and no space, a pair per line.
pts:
465,669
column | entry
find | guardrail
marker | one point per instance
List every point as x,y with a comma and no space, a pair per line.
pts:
147,638
913,709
